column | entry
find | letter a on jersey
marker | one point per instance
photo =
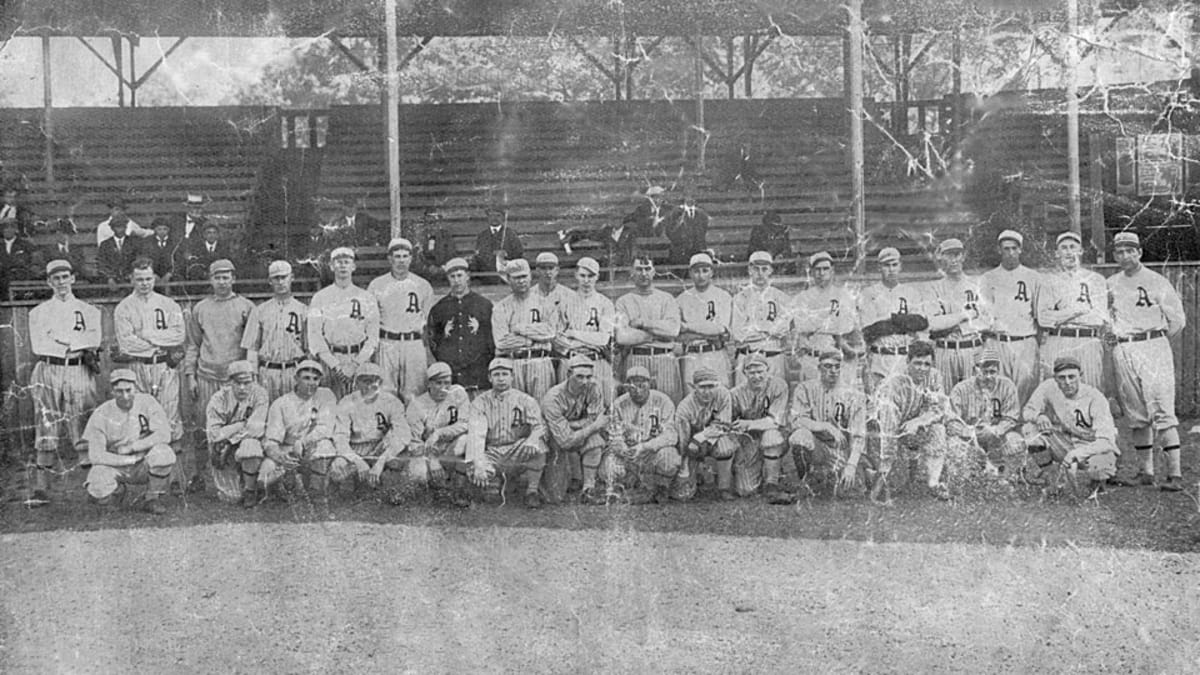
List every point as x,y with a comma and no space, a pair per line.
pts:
1022,292
80,324
711,312
1081,420
1143,298
293,324
160,319
414,305
382,423
1084,295
355,309
593,321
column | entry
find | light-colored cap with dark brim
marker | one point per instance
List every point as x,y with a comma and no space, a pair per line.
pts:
1126,240
518,266
700,259
950,245
705,375
1068,236
589,264
1011,235
761,258
546,258
455,264
240,369
399,242
368,369
438,369
754,360
279,268
888,254
819,257
1065,363
121,375
310,364
637,372
580,361
58,266
342,252
500,364
222,265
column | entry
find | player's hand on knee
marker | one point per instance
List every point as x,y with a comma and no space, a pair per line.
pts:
849,473
1044,424
374,476
361,468
480,475
436,470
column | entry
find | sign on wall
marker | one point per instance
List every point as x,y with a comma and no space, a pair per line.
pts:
1159,165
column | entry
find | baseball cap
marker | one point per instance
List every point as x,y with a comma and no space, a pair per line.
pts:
1012,235
437,369
222,265
950,245
589,264
654,191
754,359
580,361
279,268
888,254
818,257
121,375
761,258
700,259
1126,239
518,266
342,252
368,370
1066,362
455,264
830,355
310,364
546,258
238,369
637,372
987,355
499,363
58,266
1068,235
399,242
704,375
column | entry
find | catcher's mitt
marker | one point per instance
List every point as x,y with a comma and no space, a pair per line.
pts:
220,455
909,323
228,483
174,357
91,360
881,328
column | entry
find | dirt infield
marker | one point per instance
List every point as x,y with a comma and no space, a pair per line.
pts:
350,596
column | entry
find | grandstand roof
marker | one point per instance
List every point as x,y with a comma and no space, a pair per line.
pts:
298,18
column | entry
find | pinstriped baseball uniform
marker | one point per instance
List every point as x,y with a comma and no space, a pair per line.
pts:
561,408
425,416
533,370
1010,296
63,392
653,353
712,309
705,424
878,302
762,319
1146,310
1062,294
159,319
343,326
652,426
499,424
954,352
403,309
820,317
768,407
902,399
559,298
224,409
840,405
214,340
588,325
276,330
999,405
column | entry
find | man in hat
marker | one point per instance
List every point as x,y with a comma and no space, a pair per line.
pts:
438,421
117,211
372,433
986,409
164,249
892,318
523,328
235,423
1146,312
825,318
589,320
275,338
506,433
912,409
686,227
194,219
576,422
705,312
829,421
64,334
1069,426
127,440
555,298
16,256
771,235
704,428
1009,290
300,429
150,342
343,323
115,255
460,329
642,441
214,340
1072,311
957,316
13,208
497,244
762,318
404,303
206,250
647,325
760,409
63,249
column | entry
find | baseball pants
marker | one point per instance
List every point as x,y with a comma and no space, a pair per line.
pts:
955,364
722,449
503,460
197,419
717,361
1019,363
162,383
928,443
340,384
404,363
1089,351
153,470
315,462
664,369
1145,378
277,381
971,455
557,474
533,376
810,453
241,473
449,454
758,457
63,396
776,367
650,469
1048,449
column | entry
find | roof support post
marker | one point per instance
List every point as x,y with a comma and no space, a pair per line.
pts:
392,102
854,77
698,91
48,109
117,62
133,43
1072,83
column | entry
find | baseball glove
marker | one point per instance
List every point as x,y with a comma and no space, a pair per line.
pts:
221,453
174,357
91,360
909,323
228,484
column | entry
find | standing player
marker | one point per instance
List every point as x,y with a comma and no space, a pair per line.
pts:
589,320
912,419
1009,291
523,329
275,336
371,433
761,318
647,325
642,438
460,329
760,407
214,340
829,421
64,334
438,421
555,298
236,419
704,428
506,433
1146,313
404,302
956,316
825,319
343,323
705,313
300,428
891,320
983,428
576,419
1072,310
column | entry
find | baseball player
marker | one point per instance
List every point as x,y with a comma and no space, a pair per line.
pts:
983,428
890,312
1069,425
128,442
438,421
762,319
523,329
576,421
404,303
705,313
825,318
506,433
760,408
275,339
829,419
1009,291
236,417
64,334
214,340
343,323
912,409
150,335
647,325
704,428
1146,312
371,433
589,320
300,428
460,329
555,298
957,316
642,439
1072,311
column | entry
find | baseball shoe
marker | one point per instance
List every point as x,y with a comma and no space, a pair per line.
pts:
575,485
153,506
778,497
38,498
1172,484
249,499
532,500
196,485
592,497
1141,478
459,499
726,495
940,492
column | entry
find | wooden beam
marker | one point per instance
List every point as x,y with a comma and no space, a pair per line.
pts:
698,90
336,40
1071,72
854,75
116,47
112,69
158,62
48,108
412,53
592,59
1096,195
393,115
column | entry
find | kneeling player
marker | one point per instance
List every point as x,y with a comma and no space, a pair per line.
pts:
576,420
371,433
760,406
829,417
506,434
641,441
704,426
438,421
982,429
912,422
235,421
299,434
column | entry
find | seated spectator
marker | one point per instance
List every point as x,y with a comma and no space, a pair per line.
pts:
62,249
205,251
117,211
11,208
114,259
496,244
771,235
16,256
164,249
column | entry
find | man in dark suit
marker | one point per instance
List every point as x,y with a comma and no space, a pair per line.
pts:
164,249
114,258
366,230
63,249
16,255
206,250
498,239
13,209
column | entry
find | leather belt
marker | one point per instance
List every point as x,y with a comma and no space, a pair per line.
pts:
352,349
889,351
700,349
1005,337
1073,332
389,335
279,365
958,344
742,351
529,354
150,360
59,361
1142,337
651,351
